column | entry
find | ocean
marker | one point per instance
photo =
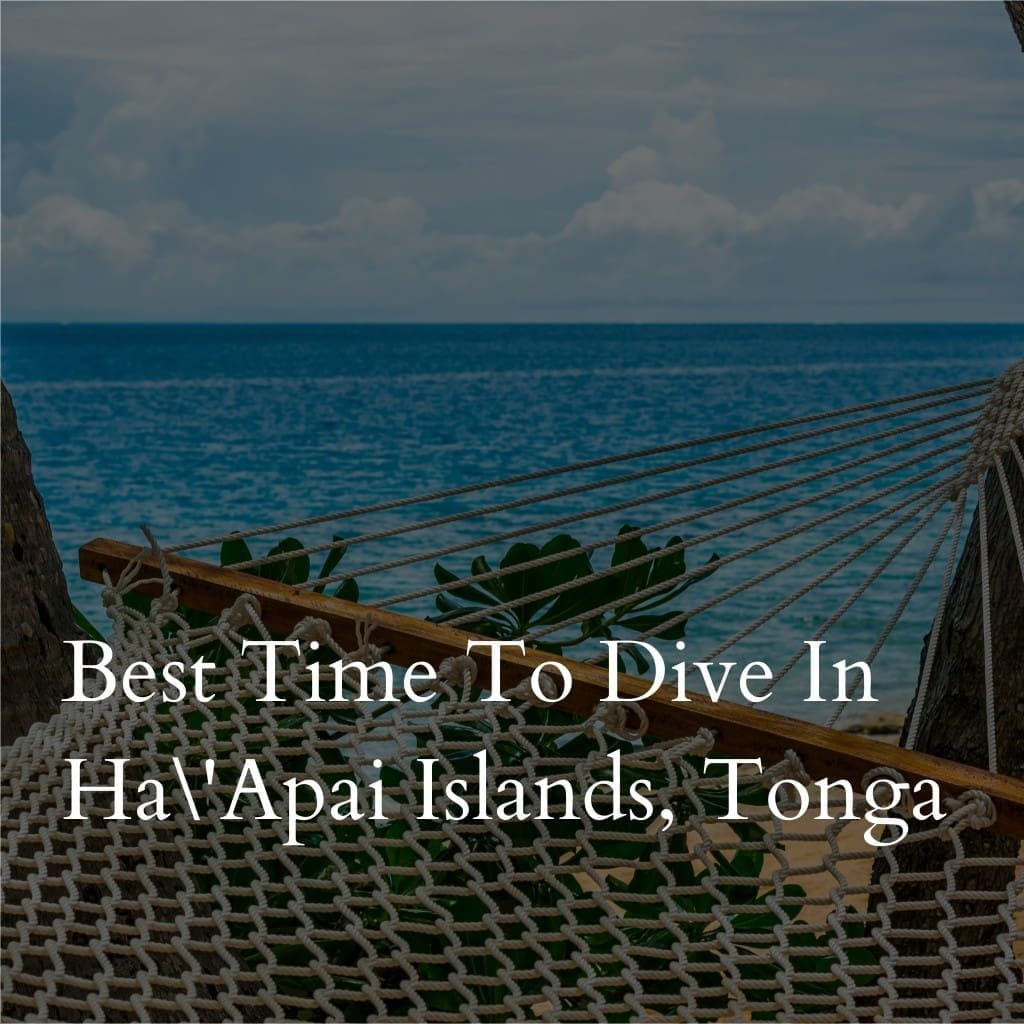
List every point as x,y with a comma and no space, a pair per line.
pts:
200,429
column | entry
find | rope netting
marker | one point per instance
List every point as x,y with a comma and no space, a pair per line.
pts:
536,919
787,914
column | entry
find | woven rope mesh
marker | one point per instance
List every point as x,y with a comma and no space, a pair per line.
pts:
480,920
552,915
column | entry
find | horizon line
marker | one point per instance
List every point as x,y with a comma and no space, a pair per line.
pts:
507,323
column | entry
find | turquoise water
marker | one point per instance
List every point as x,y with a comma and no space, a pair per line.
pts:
201,429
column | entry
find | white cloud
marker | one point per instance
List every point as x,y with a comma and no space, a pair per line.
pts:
999,207
496,160
818,206
685,212
396,219
680,150
62,225
692,147
641,163
696,217
647,249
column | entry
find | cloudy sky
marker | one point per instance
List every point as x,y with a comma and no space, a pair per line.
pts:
508,162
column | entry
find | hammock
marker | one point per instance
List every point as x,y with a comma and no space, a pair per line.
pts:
777,916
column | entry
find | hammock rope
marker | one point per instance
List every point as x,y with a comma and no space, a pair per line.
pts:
786,915
820,520
666,524
914,500
960,393
959,514
993,426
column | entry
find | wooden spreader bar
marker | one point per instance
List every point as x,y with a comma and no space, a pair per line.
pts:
740,730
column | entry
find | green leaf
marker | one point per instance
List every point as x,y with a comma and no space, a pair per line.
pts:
470,593
630,580
234,551
292,570
670,566
539,578
334,556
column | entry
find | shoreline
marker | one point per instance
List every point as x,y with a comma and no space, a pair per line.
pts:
886,726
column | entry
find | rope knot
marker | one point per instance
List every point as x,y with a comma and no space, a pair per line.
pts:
789,769
244,612
625,721
972,808
164,605
459,671
524,691
311,628
700,744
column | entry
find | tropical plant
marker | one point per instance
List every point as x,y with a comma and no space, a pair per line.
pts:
621,588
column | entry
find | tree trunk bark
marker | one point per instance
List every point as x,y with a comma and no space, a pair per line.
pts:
1015,9
35,615
953,717
953,726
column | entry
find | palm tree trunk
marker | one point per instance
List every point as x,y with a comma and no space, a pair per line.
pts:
953,726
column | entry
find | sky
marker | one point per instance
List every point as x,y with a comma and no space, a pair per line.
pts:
472,162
